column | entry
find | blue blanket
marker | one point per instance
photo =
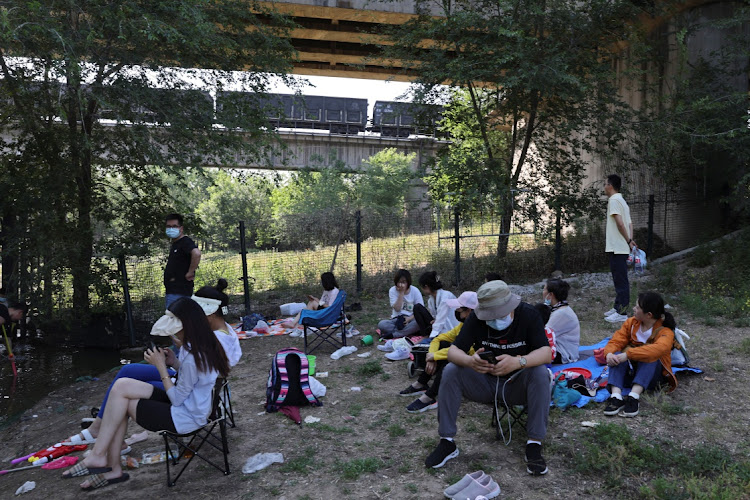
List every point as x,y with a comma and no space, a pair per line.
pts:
586,360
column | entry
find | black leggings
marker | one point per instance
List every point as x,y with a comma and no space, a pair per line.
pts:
155,413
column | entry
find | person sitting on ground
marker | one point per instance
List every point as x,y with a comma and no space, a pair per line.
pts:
545,311
563,320
437,307
180,408
639,355
492,276
214,303
403,297
437,357
511,334
330,292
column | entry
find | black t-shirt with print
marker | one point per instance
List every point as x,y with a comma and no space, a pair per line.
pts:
524,335
177,267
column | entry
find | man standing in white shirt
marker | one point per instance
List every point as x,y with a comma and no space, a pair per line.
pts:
619,243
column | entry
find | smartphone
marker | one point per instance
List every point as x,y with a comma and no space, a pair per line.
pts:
488,356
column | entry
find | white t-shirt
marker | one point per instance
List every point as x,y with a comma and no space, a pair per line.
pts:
231,344
328,297
615,242
643,336
445,317
411,297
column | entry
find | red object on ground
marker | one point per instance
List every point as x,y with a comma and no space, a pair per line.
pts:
573,372
57,451
61,462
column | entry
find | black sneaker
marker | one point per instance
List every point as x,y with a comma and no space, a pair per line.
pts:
535,464
417,406
411,391
614,406
630,408
445,451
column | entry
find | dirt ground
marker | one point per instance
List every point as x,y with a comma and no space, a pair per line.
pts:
371,426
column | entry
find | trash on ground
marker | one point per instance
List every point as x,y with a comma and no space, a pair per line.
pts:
25,487
364,354
261,461
587,423
311,420
322,374
343,351
356,389
156,455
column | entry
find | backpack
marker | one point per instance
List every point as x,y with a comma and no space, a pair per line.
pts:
288,382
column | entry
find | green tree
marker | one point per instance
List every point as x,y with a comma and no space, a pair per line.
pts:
234,197
538,78
385,180
90,92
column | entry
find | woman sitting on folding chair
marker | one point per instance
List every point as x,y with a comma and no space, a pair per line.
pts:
180,408
330,292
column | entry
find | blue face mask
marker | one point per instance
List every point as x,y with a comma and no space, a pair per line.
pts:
501,323
547,301
173,232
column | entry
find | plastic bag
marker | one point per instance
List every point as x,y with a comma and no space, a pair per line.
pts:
261,461
639,260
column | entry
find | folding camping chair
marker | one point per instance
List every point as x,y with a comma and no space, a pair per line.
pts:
516,414
325,324
199,437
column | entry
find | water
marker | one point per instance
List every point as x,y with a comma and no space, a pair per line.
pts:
42,369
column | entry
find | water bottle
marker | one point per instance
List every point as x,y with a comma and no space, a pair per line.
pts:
638,265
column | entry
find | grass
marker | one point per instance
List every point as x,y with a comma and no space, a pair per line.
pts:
369,369
352,469
301,465
331,428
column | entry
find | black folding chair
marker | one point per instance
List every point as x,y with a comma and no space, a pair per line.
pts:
325,325
204,435
516,414
226,401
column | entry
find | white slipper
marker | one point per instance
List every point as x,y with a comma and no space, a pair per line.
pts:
137,438
75,440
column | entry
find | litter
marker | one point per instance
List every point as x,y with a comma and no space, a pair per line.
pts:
155,456
364,354
356,389
26,487
587,423
261,461
311,420
322,374
343,351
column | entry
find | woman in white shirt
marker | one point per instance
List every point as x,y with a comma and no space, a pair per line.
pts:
403,297
181,407
443,315
330,292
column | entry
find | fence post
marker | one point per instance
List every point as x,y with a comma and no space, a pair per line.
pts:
358,238
457,246
243,253
128,303
558,240
650,243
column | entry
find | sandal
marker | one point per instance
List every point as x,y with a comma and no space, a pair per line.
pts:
99,481
84,437
79,470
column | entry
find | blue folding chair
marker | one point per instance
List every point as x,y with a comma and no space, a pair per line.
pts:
324,325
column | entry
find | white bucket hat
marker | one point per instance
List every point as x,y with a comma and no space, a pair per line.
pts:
495,300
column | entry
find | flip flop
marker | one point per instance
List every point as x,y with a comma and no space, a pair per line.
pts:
79,470
137,438
74,440
99,481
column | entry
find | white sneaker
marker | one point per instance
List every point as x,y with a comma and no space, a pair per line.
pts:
610,312
387,347
616,318
398,354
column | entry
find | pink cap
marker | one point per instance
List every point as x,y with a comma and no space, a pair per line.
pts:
466,299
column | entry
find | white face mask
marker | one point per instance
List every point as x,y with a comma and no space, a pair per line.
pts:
500,323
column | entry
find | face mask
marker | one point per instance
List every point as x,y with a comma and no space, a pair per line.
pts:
173,232
458,316
501,323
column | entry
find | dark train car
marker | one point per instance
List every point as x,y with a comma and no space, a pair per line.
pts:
402,119
339,115
138,104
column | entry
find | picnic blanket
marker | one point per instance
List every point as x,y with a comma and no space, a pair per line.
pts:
275,328
586,360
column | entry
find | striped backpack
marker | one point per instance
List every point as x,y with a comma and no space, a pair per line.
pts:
288,383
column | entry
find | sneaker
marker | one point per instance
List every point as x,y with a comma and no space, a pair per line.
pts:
445,451
614,406
616,318
535,464
630,407
387,347
400,353
454,489
412,391
484,487
417,406
610,312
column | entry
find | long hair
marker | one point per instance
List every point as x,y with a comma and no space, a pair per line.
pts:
328,280
199,339
430,280
652,302
217,292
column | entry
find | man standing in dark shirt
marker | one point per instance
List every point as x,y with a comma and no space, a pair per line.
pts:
514,333
182,262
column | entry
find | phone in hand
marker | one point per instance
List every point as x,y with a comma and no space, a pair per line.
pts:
150,345
488,356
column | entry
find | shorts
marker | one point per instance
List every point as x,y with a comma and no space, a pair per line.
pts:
155,413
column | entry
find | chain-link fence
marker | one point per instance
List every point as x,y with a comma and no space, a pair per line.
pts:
364,249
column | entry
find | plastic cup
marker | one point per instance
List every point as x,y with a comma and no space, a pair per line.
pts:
311,364
367,340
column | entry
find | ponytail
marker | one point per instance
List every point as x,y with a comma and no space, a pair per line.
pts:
669,321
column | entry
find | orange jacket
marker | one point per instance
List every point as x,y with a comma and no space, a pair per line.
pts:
658,346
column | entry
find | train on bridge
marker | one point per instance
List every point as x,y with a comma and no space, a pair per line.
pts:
237,110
